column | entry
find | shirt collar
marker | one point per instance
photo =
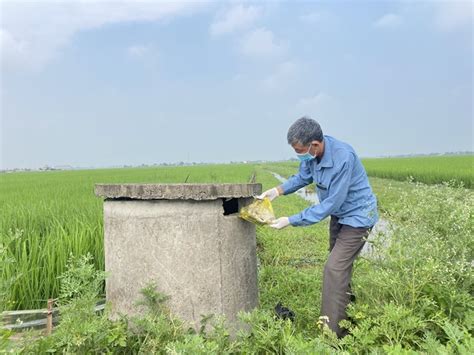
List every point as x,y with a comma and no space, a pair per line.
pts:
326,161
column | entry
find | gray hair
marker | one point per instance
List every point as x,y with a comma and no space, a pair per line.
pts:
304,131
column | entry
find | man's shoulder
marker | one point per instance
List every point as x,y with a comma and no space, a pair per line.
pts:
338,144
341,150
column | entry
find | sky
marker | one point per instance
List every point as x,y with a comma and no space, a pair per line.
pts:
108,83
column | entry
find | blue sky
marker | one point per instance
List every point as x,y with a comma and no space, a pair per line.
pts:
94,83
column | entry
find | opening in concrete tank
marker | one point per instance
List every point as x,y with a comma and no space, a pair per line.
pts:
230,205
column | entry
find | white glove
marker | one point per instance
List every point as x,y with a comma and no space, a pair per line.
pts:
280,223
271,194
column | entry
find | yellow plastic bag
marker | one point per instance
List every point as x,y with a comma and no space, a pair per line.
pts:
259,212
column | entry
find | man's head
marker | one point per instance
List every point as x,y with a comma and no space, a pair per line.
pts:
306,136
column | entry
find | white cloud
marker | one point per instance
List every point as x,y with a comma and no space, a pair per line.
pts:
453,15
32,33
282,75
138,50
261,43
389,21
236,18
10,44
313,104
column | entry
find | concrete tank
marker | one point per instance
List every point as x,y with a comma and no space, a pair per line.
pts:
186,238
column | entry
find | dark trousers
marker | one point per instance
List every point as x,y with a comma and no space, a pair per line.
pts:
345,243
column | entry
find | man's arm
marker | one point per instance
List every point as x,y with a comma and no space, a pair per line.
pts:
297,181
337,195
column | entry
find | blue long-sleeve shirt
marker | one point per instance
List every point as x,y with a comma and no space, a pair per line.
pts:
342,186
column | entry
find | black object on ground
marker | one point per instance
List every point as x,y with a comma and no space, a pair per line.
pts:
284,313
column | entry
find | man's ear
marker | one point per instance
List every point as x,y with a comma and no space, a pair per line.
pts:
318,146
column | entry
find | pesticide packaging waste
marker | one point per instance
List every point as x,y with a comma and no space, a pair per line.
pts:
259,212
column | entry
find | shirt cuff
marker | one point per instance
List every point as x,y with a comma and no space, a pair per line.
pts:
286,186
295,220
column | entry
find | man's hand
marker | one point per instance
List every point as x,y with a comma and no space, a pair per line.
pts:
280,223
271,194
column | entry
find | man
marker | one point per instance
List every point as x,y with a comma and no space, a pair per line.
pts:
345,194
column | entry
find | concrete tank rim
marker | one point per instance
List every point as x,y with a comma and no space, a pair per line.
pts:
176,191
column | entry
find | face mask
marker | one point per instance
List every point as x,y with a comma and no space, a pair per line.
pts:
305,156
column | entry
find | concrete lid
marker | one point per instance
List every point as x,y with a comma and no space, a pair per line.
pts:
176,191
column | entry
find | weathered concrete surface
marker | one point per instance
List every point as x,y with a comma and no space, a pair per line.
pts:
204,260
177,191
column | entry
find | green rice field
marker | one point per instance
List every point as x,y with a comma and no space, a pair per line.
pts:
429,170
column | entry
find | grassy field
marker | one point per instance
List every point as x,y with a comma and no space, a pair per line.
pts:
417,295
429,170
